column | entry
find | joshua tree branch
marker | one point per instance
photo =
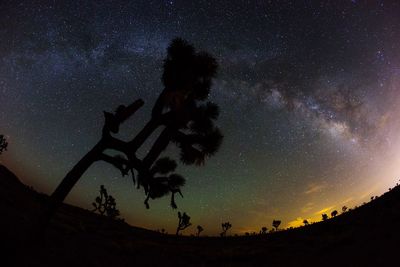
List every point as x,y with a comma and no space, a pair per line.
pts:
113,121
148,130
159,146
119,163
125,113
117,144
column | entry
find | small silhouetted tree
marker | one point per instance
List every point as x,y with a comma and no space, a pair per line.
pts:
276,223
183,114
225,227
305,222
334,213
263,230
344,209
163,231
3,144
324,217
199,230
183,223
105,204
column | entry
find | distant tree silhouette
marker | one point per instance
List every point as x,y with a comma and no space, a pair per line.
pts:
105,204
186,120
199,230
183,223
276,223
334,213
263,230
324,217
305,222
3,144
344,209
163,231
225,227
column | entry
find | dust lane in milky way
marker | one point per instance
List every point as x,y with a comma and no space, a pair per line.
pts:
309,98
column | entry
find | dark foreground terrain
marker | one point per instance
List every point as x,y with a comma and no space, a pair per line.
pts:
367,236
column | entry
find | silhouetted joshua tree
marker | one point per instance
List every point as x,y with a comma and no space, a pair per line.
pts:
3,144
276,223
344,209
305,222
334,213
183,223
324,217
199,230
185,118
263,230
105,204
225,227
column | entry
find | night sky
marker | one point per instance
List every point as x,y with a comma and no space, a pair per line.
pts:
309,93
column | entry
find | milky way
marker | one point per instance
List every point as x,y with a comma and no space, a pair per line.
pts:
308,91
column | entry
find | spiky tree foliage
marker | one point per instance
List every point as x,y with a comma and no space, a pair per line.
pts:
324,217
225,227
105,204
3,144
185,117
305,222
199,230
276,223
264,230
183,222
334,213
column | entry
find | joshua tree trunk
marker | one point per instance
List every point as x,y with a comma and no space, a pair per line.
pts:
73,176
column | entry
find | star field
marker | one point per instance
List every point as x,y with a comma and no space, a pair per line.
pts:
308,92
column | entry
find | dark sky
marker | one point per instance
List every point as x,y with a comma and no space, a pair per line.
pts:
308,91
